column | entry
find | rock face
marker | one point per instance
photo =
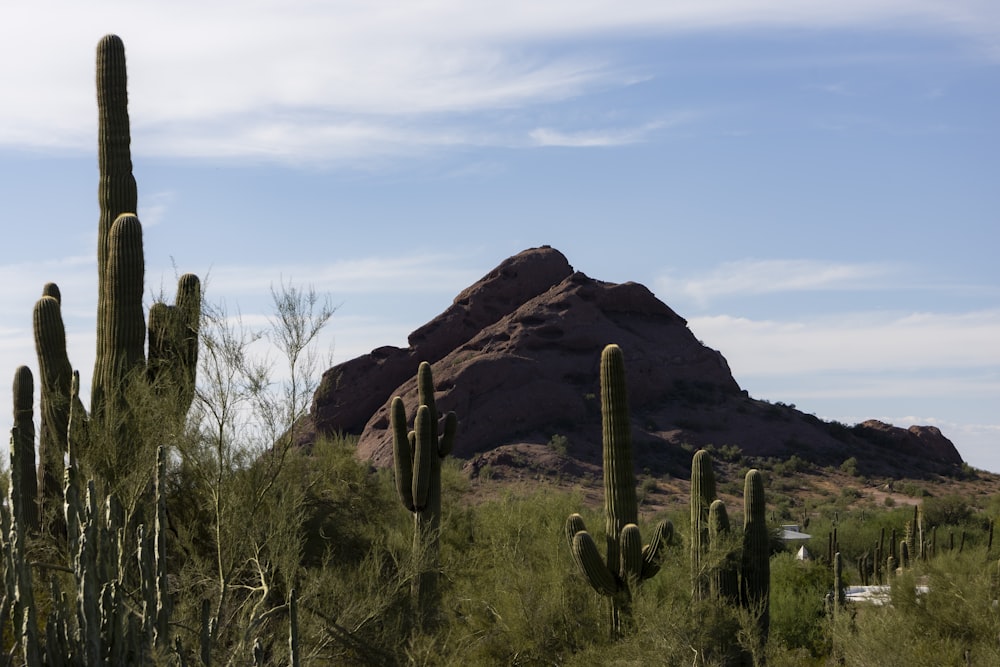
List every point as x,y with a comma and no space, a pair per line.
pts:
926,441
369,381
516,356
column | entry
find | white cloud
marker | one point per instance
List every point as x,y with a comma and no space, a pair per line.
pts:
752,276
427,273
153,208
864,342
544,136
269,78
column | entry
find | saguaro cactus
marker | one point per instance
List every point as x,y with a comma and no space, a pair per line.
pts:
55,389
734,573
23,441
121,326
702,497
173,343
626,562
755,586
725,580
116,190
417,456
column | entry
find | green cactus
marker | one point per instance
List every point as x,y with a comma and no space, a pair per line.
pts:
55,389
626,562
23,441
838,582
15,530
755,586
702,497
725,580
96,625
729,572
122,328
116,189
417,456
173,344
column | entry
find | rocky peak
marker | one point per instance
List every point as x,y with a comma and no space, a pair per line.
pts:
516,357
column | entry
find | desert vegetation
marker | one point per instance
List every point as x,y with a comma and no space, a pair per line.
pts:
176,522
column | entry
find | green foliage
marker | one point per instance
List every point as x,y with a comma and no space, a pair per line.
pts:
798,589
850,466
948,510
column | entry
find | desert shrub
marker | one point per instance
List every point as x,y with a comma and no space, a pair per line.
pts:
948,510
798,610
955,623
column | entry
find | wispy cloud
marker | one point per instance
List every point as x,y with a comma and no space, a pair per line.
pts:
865,342
428,273
272,78
544,136
753,276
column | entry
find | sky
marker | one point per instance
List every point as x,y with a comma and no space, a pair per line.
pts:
812,185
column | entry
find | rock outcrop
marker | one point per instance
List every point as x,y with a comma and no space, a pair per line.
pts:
516,357
925,441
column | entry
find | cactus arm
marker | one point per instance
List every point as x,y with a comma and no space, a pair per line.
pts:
424,458
402,455
574,525
652,553
590,563
630,550
447,440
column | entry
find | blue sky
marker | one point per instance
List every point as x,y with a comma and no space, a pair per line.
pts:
811,184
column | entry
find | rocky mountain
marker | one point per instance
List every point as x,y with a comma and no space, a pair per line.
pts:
516,357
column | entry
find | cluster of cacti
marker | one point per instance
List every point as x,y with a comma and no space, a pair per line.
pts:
417,456
100,623
715,571
121,327
627,562
92,620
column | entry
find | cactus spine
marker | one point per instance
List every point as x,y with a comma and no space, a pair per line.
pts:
626,562
417,456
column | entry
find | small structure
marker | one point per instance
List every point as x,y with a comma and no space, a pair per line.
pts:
790,533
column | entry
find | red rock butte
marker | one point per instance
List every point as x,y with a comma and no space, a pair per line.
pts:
516,357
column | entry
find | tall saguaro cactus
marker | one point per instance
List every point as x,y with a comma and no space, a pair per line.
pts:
627,562
116,192
121,325
417,456
755,588
702,496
